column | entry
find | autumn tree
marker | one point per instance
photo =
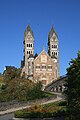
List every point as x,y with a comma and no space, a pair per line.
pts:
1,77
16,89
11,72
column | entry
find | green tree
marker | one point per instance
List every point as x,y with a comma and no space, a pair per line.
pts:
73,88
36,92
35,55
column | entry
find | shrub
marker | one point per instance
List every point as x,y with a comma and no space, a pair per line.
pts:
63,103
43,111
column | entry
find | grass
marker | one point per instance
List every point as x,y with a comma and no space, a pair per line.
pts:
47,94
43,111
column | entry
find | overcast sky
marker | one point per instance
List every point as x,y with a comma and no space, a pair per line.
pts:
15,15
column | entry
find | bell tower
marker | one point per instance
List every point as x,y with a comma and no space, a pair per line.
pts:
28,48
53,50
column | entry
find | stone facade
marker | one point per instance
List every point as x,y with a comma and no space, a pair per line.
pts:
53,50
28,52
45,67
57,86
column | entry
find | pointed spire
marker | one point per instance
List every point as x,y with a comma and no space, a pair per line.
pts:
51,32
43,49
28,29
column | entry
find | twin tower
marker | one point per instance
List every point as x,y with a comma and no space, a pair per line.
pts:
45,66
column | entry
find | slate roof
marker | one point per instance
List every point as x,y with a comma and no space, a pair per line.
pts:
28,29
51,32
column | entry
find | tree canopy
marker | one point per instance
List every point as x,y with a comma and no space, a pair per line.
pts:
73,88
11,72
16,88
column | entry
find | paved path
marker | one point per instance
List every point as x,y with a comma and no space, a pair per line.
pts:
24,107
9,116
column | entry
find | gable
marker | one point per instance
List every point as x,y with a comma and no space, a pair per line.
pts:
43,57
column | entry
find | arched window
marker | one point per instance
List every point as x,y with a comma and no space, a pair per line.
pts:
55,46
54,53
31,45
27,52
27,45
52,46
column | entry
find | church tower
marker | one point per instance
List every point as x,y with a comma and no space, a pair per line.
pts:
28,49
53,50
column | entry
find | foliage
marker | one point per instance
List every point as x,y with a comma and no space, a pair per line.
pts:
48,94
35,55
36,92
11,72
63,103
16,88
42,111
73,88
1,78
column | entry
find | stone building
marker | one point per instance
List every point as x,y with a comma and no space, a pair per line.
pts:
28,59
45,67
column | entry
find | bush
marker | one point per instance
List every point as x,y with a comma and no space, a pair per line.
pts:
38,114
21,114
63,103
44,111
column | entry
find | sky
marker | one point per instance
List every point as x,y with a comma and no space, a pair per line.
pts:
41,15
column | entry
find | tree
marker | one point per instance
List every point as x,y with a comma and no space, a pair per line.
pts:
35,55
1,78
16,89
11,72
73,88
36,92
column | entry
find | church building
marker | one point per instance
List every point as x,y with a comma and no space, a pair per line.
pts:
45,66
